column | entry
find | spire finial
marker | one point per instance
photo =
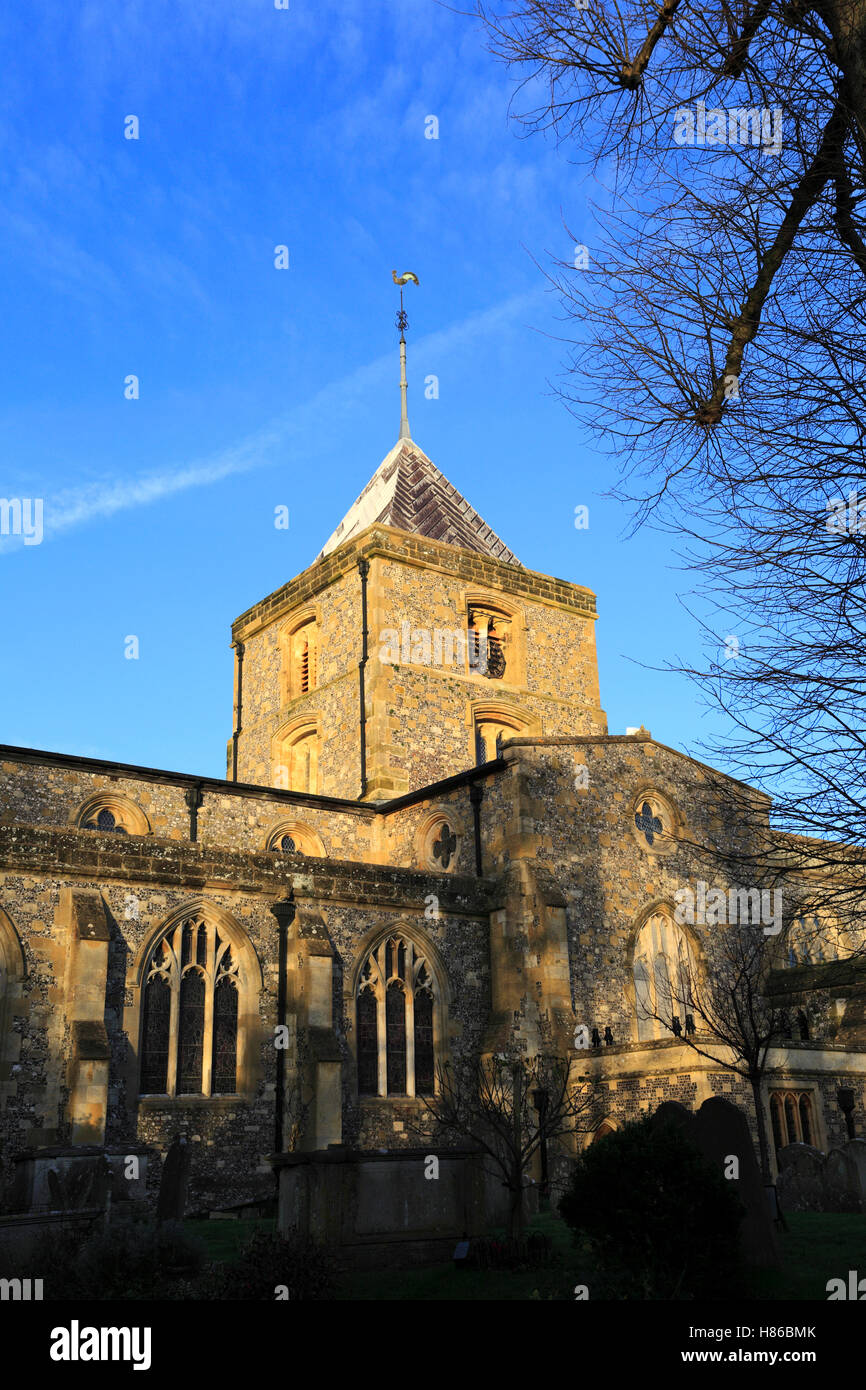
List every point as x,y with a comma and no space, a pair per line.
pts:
403,324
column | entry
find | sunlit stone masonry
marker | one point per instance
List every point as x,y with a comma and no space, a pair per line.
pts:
427,849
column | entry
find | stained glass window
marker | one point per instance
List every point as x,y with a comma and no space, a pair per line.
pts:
192,976
225,1037
396,1012
395,1021
424,1061
155,1035
190,1042
368,1044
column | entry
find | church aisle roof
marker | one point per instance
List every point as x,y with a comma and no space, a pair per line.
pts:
408,491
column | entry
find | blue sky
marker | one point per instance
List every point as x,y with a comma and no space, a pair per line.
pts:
261,387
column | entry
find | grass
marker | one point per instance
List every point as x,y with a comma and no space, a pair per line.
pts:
815,1248
224,1240
446,1282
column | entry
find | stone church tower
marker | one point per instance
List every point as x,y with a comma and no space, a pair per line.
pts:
365,676
427,849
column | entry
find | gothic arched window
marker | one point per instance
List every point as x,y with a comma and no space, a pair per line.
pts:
791,1112
396,1019
663,972
815,938
189,1036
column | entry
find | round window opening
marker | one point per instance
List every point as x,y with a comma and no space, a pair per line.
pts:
440,847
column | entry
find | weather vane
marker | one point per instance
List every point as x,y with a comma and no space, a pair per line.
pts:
402,324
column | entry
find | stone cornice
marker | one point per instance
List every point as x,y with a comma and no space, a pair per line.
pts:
406,548
89,854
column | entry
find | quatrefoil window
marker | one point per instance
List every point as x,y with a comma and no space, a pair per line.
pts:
444,847
649,824
656,822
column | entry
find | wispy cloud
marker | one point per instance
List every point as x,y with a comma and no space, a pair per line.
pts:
327,410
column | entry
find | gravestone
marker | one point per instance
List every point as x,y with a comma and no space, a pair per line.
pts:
801,1178
856,1151
841,1182
173,1184
78,1186
720,1131
671,1112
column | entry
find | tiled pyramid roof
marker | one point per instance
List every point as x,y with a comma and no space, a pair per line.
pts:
408,491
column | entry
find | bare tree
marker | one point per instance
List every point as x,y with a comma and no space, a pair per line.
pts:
722,1005
511,1107
717,345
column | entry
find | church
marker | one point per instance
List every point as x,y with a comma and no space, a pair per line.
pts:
427,847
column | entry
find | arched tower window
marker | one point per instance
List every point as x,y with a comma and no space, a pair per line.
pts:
396,1020
490,639
189,1036
663,971
305,652
490,734
297,766
299,644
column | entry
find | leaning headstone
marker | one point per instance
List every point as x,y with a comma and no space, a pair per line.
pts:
856,1151
175,1177
721,1132
801,1178
841,1183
